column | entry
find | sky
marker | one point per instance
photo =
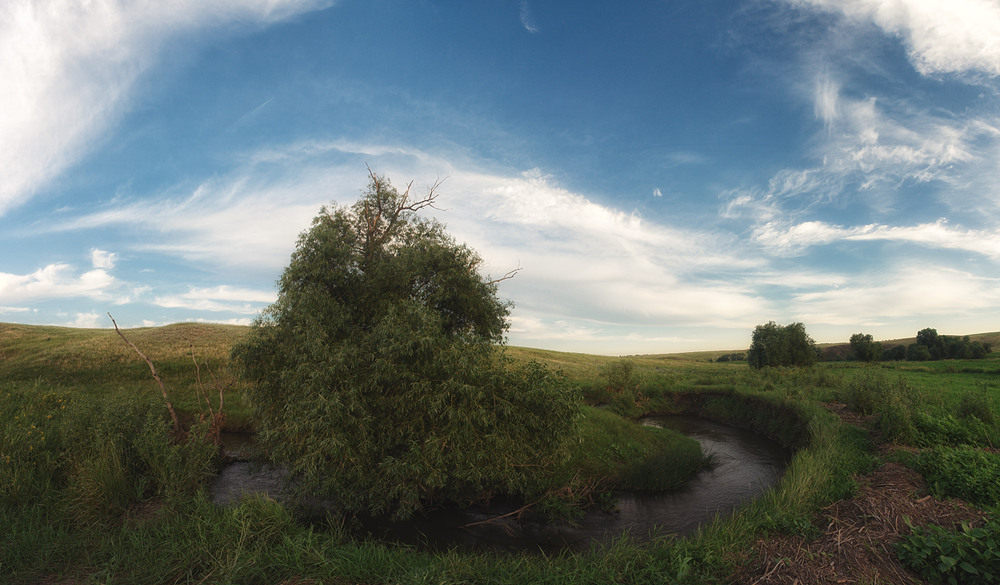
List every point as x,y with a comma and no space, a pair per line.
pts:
666,174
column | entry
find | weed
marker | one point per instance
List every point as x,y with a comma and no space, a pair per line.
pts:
962,472
973,404
969,556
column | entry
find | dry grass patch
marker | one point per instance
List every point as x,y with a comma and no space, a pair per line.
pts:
858,535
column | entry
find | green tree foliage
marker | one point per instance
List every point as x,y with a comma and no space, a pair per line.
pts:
895,353
781,345
931,346
378,376
930,339
865,348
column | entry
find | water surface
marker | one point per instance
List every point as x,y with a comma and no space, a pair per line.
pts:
745,466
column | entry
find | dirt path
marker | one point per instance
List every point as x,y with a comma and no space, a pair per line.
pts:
856,545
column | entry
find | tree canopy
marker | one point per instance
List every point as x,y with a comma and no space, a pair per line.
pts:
378,376
865,348
781,345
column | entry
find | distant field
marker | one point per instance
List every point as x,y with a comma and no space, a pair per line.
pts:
97,361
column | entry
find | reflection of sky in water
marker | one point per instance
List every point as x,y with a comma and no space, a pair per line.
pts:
746,465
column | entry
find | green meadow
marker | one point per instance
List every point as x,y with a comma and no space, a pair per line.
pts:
94,487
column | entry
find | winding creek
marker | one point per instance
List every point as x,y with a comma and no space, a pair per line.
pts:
746,465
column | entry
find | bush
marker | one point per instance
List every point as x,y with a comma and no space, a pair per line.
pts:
871,393
950,430
962,472
970,556
31,459
974,404
177,468
623,388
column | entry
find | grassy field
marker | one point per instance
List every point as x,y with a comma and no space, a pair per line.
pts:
93,490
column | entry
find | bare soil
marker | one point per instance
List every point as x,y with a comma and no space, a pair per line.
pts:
858,534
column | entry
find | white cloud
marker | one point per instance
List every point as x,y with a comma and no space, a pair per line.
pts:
219,299
57,281
605,263
791,239
881,149
527,19
69,69
103,259
913,293
827,94
957,36
87,320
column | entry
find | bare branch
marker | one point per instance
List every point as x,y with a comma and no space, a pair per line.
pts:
510,274
201,386
380,220
156,376
516,514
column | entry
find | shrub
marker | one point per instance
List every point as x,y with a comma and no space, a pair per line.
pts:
105,484
871,393
962,472
950,430
974,404
623,388
30,452
970,556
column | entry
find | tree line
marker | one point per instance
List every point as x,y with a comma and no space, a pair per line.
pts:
928,346
789,345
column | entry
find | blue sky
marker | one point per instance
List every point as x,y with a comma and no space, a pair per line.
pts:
667,174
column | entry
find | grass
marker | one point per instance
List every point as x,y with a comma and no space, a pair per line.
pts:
613,452
97,362
93,490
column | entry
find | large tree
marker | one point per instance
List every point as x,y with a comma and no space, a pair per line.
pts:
781,345
378,376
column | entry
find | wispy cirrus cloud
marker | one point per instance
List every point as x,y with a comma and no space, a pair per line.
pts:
219,299
797,238
883,152
527,18
584,264
70,70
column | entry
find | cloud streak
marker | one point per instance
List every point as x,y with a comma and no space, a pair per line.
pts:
605,266
798,238
70,70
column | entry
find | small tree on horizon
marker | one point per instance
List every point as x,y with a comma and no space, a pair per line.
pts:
865,348
781,345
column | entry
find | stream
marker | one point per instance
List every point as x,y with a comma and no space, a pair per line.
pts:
745,466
